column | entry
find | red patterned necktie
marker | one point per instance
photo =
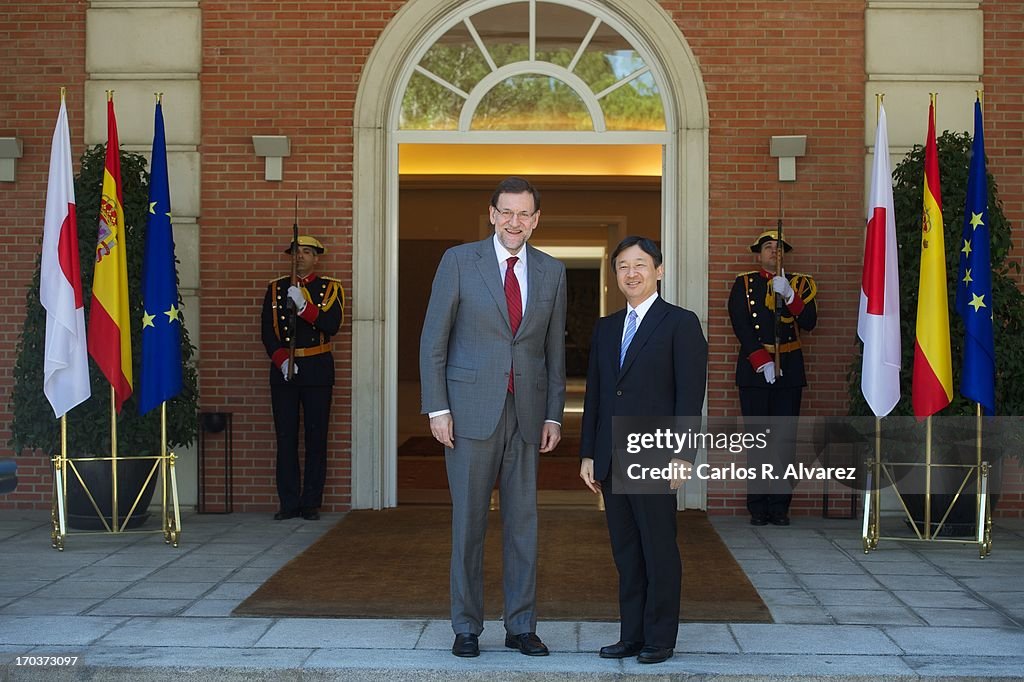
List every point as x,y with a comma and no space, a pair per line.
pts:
514,300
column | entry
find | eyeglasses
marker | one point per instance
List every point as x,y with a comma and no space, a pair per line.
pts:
507,215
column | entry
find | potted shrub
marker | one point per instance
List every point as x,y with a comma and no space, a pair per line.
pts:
33,425
949,441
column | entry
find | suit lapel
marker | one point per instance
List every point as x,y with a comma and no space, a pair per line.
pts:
613,338
651,320
487,265
535,280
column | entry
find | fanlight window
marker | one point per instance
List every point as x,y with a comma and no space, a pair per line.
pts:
532,65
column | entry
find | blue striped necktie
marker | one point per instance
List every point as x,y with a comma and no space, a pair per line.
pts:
630,333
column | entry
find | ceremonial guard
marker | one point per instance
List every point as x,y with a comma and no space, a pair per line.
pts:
300,315
770,368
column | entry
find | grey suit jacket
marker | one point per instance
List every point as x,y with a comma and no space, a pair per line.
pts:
467,346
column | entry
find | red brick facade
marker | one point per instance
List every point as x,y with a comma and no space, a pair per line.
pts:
293,69
42,47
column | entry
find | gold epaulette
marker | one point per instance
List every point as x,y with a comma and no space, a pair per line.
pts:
331,279
804,285
335,292
279,278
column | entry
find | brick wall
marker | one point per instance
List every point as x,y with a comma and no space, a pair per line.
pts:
1004,108
42,47
1004,130
292,69
793,68
282,69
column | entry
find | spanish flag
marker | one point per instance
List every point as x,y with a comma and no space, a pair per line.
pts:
932,386
109,337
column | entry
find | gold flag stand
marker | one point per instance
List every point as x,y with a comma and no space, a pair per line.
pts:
979,471
162,466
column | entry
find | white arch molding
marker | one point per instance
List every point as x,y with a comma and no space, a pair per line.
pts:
375,210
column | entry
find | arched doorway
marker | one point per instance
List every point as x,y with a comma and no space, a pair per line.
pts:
402,62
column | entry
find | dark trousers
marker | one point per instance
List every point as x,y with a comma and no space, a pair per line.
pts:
770,498
315,403
643,536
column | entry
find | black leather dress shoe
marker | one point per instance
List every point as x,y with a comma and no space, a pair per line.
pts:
653,654
758,521
779,520
528,643
466,645
311,514
621,650
286,514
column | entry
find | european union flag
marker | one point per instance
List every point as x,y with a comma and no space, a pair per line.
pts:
161,317
974,287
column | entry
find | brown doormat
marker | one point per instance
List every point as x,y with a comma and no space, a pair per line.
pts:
428,473
427,446
394,564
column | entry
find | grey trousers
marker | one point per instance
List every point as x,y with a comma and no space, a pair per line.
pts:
473,466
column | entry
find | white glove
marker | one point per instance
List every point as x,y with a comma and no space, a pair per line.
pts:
781,286
284,369
295,294
768,369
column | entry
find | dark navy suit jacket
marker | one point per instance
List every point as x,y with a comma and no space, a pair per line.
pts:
664,374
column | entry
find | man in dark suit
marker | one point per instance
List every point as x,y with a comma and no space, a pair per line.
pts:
492,370
648,360
319,304
770,395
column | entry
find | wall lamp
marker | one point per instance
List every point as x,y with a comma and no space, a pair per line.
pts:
786,148
10,150
273,148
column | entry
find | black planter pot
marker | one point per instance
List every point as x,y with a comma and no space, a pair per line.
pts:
962,518
131,472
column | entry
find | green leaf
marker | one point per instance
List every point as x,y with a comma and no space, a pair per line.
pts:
33,424
1008,301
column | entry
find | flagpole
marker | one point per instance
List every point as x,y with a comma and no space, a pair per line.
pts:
977,419
876,508
928,480
113,424
113,460
163,467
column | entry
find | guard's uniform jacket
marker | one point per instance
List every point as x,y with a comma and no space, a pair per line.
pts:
751,310
319,321
311,387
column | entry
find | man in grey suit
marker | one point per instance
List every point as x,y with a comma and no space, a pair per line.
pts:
492,369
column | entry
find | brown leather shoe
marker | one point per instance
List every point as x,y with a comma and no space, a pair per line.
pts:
466,645
621,650
528,643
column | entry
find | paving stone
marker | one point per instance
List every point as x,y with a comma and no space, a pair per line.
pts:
809,639
942,600
48,606
952,641
157,590
367,633
208,632
965,618
801,614
870,614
